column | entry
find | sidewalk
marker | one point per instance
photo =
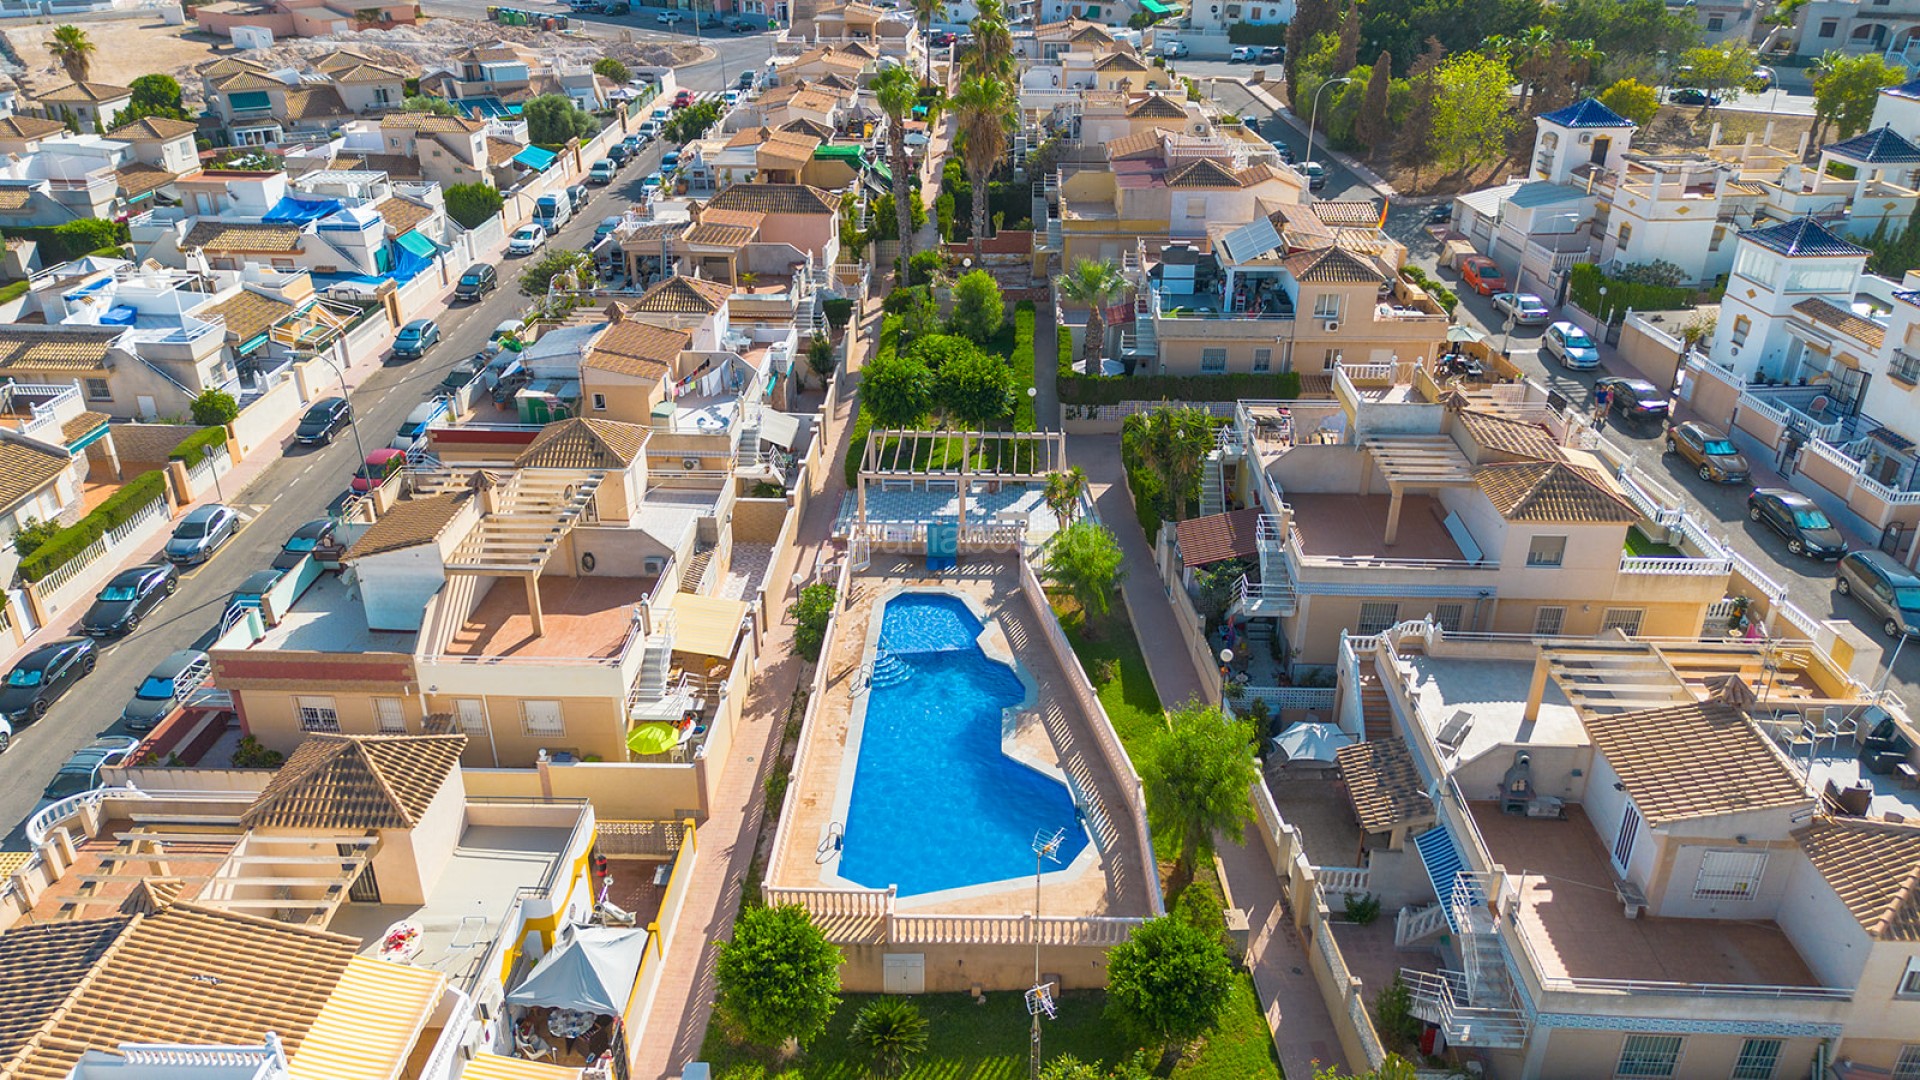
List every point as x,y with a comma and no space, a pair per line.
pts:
1302,1027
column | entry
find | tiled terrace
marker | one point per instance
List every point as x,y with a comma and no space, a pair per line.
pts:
1315,803
1494,692
1355,527
1570,914
746,570
586,618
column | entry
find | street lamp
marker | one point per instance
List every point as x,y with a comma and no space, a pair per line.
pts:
353,421
1314,117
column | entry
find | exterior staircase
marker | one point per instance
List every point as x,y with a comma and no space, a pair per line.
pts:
1376,710
1476,1006
1213,485
694,578
650,686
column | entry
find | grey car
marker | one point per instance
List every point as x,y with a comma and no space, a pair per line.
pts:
200,534
1887,589
165,687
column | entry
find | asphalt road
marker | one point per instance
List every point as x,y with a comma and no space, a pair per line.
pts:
733,53
295,489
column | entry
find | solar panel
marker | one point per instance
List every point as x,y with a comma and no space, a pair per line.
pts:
1252,240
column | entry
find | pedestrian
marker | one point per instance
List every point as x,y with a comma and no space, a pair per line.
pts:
1602,403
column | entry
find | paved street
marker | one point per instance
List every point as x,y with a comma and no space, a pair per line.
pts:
296,488
733,53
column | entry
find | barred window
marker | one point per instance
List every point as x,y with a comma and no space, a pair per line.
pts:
1758,1058
317,714
1649,1056
391,717
1377,617
1450,617
1908,1065
1729,875
1547,620
473,715
1905,366
1626,620
542,718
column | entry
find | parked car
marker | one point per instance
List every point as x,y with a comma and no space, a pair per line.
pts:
668,18
127,597
1711,453
577,195
165,688
1761,80
526,240
651,183
1272,54
745,81
1173,50
81,773
1571,345
505,328
605,228
632,143
1634,399
1282,150
619,155
743,26
729,98
413,430
940,39
249,594
1884,587
552,212
324,419
200,534
683,99
1885,748
380,467
669,162
509,384
39,678
603,172
619,7
1316,175
415,338
478,280
1482,275
1526,309
1795,517
462,373
1689,95
1243,54
315,535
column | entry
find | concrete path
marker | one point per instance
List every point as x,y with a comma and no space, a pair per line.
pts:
1303,1030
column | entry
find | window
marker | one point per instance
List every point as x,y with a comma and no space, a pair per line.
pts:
381,95
317,714
1829,27
1547,551
1262,360
472,713
1547,620
1741,327
1910,980
541,718
1757,1059
1729,875
1626,234
1326,306
1376,617
392,719
1905,367
1213,361
1626,620
1821,279
1907,1066
600,403
1331,360
1623,840
1716,22
98,390
1450,617
1649,1056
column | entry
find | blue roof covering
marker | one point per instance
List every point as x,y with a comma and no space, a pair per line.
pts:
1587,114
1444,866
1881,146
1802,236
1905,90
292,211
482,108
535,158
419,245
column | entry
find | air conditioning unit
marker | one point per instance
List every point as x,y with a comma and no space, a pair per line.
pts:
1333,326
690,463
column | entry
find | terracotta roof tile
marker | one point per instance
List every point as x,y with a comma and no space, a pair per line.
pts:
1510,436
1349,213
683,296
40,967
29,127
1218,537
138,178
583,443
87,93
717,235
1383,784
1201,172
249,314
1139,144
223,236
635,348
402,215
1332,266
228,65
1552,492
15,198
1693,760
63,348
25,469
1874,866
397,166
340,60
367,73
407,523
804,126
356,782
248,80
774,199
430,123
1156,106
81,426
150,895
315,103
500,151
1829,314
1120,60
154,127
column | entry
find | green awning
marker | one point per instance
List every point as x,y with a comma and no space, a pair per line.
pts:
838,152
535,158
413,243
881,170
248,100
1155,7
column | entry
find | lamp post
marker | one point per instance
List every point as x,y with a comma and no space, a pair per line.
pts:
353,421
1314,116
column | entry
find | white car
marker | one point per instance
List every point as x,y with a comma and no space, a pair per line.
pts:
668,18
526,240
1173,50
1526,308
1571,346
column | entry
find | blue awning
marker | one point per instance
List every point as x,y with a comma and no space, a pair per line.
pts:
252,343
292,211
88,439
1444,866
535,158
412,241
249,100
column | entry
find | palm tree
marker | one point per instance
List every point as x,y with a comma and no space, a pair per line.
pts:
1062,494
1095,285
1196,774
71,47
1175,443
992,51
988,111
898,91
924,12
891,1031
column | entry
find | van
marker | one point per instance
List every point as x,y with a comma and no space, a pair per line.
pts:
414,431
1887,589
552,211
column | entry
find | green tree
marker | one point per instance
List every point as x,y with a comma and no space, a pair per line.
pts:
979,311
974,390
1084,561
779,977
553,119
891,1031
810,612
1094,286
72,50
1063,493
897,91
214,407
1628,35
986,108
919,312
1170,981
924,14
612,70
937,350
471,204
1196,775
1348,53
1721,70
1311,18
1174,444
536,279
693,121
1632,99
896,390
992,51
821,358
1470,118
1401,27
153,95
1845,89
1373,127
434,106
1394,1067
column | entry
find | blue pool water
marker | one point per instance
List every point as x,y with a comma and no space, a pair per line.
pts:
936,804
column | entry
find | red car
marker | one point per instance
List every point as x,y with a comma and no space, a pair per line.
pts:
683,99
1483,276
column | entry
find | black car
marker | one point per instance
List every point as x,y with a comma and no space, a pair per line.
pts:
462,373
479,280
38,680
1440,213
744,82
1688,95
1795,517
325,419
1635,399
128,596
314,536
617,153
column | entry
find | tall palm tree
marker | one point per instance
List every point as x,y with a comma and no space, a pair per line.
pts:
987,110
924,12
897,91
1175,443
992,51
1095,285
1062,494
71,47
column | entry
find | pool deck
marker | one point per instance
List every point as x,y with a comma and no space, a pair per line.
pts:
1054,735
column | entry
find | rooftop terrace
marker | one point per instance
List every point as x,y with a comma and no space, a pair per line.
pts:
329,617
1494,694
1353,528
585,617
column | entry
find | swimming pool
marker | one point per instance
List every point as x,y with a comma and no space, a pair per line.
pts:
936,802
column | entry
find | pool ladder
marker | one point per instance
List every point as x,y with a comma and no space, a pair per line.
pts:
888,670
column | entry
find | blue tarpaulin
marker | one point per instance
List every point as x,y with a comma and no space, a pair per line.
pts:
535,158
300,211
119,315
412,254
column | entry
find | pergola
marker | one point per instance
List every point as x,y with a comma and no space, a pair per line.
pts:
281,876
1413,463
524,518
963,456
1607,678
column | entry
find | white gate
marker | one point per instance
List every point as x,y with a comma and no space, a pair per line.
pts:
903,973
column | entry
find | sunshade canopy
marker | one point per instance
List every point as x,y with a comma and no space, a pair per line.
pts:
592,970
707,625
655,738
1463,332
1312,742
535,158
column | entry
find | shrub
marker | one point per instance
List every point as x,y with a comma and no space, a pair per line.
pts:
12,291
979,310
1022,364
975,390
214,407
471,204
779,977
1585,282
33,534
1393,1007
938,350
1362,908
1441,294
552,119
251,755
839,311
612,69
891,1031
1169,982
922,268
1078,389
119,507
71,240
897,390
775,786
863,420
195,446
1249,34
810,613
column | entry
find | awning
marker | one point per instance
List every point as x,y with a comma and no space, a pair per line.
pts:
1442,860
495,1067
707,625
591,970
780,429
1313,742
247,100
1155,7
535,158
413,243
371,1020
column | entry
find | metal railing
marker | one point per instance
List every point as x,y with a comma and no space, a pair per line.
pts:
1681,566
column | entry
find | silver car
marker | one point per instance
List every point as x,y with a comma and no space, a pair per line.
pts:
1887,589
1572,346
1525,308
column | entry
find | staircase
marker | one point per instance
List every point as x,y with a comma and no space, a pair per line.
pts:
1213,485
1376,709
651,684
1413,925
694,578
1476,1006
888,670
746,453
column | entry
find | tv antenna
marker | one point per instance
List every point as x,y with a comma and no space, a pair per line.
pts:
1046,848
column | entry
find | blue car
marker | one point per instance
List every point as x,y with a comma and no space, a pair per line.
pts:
200,534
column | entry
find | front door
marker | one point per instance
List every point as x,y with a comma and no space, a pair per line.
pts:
365,888
1600,147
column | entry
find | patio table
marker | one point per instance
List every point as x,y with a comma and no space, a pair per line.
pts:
401,943
569,1023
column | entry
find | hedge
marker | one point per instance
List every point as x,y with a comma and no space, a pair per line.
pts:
13,291
839,311
59,243
1078,389
1585,280
1022,362
194,447
60,549
1249,34
862,422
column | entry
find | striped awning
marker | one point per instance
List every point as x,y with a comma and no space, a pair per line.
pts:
370,1023
1441,858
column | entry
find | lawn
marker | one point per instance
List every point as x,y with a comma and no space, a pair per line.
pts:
1640,546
